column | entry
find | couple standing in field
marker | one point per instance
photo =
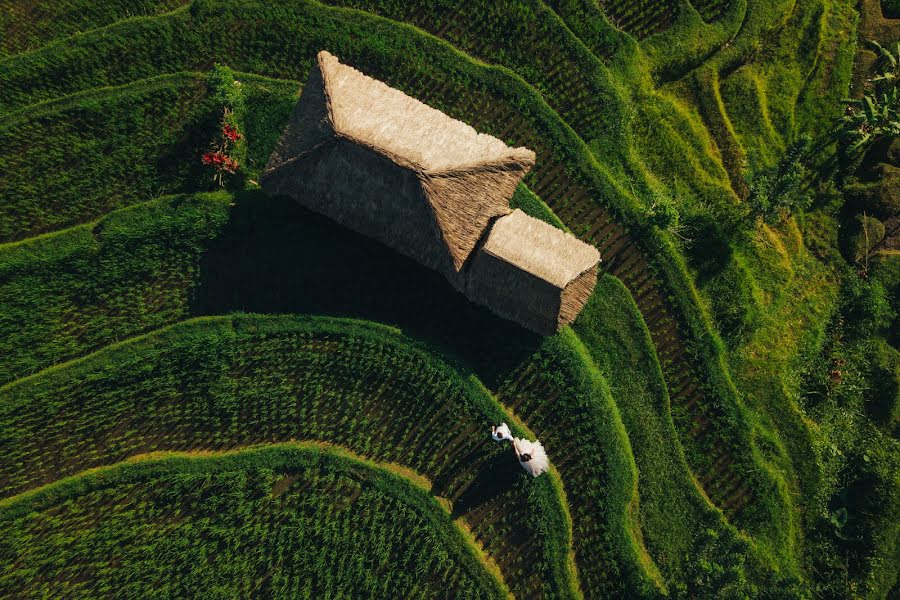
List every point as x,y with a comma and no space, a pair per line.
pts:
531,455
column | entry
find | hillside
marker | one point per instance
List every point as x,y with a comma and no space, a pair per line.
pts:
224,387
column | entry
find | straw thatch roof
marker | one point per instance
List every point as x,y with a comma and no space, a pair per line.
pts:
390,167
467,177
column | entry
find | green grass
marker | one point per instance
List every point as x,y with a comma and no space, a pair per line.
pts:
566,401
218,382
71,160
29,25
198,36
71,292
673,512
182,524
687,112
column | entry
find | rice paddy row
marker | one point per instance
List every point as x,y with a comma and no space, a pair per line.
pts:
223,382
286,521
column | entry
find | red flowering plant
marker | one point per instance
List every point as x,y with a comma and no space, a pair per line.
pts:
221,156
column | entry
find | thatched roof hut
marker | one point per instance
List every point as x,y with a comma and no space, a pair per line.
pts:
531,272
392,168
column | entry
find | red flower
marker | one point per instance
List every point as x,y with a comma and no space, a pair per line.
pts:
231,132
208,158
231,165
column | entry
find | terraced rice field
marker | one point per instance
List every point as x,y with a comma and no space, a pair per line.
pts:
320,515
219,390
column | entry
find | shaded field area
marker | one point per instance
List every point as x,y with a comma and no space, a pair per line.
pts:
288,520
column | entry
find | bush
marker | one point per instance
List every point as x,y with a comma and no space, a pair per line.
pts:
884,403
879,198
778,192
865,233
735,309
893,155
663,213
867,307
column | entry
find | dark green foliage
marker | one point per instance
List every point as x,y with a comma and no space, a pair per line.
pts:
779,191
734,304
28,25
286,521
891,8
663,212
718,564
864,233
879,197
867,306
884,404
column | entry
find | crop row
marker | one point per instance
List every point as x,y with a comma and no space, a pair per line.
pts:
69,162
218,383
285,521
710,10
66,162
641,18
566,402
29,25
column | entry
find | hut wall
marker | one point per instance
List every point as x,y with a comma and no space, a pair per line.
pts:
513,294
368,193
576,295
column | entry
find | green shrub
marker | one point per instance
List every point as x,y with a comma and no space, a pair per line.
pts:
733,299
864,234
663,212
778,192
879,198
884,403
867,306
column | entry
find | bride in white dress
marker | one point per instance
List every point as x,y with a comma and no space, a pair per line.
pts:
531,455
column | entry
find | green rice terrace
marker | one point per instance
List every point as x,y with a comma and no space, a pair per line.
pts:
210,389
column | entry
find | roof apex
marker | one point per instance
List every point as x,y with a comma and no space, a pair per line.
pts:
406,130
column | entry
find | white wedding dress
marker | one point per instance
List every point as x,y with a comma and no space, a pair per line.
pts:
531,455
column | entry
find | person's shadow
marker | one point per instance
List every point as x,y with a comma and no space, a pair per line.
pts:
274,256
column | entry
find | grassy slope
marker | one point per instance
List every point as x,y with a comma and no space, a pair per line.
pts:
674,513
179,523
148,258
28,78
218,382
668,515
775,321
30,25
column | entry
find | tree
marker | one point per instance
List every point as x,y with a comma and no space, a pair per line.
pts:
778,192
876,115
